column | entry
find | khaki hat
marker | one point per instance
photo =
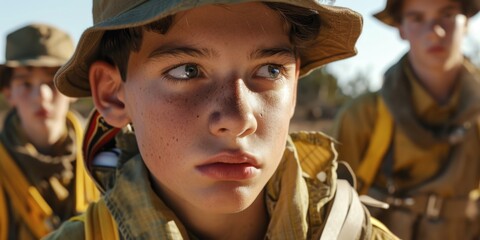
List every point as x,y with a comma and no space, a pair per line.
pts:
339,31
386,15
38,45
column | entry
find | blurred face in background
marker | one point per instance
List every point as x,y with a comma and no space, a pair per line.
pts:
435,30
41,107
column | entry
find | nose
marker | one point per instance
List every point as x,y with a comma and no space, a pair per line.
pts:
43,92
233,115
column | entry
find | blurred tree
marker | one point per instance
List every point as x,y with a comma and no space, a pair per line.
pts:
318,96
83,106
358,85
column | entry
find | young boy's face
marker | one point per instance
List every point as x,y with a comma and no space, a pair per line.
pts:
40,106
210,102
435,31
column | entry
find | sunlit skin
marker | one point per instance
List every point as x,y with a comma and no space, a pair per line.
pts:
435,30
42,109
210,102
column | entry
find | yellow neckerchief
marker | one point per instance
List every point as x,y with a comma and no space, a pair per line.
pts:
26,199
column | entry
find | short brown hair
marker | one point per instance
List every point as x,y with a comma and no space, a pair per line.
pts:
395,9
5,77
6,74
116,45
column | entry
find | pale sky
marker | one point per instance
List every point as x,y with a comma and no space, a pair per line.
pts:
379,45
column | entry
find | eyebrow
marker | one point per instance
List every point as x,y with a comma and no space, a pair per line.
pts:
174,51
270,52
48,72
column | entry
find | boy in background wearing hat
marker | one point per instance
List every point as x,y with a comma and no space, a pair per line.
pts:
42,178
207,92
415,143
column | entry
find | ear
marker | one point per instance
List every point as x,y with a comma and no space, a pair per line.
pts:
7,94
107,86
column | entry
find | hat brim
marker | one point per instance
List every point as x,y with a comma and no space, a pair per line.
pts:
41,61
386,17
339,31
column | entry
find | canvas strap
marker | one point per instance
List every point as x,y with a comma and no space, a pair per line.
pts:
86,190
3,214
98,223
346,215
377,148
25,198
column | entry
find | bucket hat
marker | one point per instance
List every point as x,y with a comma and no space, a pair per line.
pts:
38,45
387,15
339,31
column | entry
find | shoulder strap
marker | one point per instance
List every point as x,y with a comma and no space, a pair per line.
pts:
25,199
377,148
98,222
3,214
346,215
85,189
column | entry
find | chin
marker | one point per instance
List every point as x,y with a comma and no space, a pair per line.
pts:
230,200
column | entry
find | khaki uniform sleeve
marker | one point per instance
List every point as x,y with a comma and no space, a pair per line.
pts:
353,127
69,230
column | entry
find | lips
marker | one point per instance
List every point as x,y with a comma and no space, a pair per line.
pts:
42,113
230,166
436,49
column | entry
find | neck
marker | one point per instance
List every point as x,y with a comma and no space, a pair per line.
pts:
439,82
45,140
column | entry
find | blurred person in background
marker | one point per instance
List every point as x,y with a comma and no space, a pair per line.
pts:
42,178
415,143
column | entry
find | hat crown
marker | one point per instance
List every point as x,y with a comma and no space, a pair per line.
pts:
37,41
335,39
470,8
107,9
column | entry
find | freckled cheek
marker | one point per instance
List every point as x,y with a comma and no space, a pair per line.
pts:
273,127
165,127
276,112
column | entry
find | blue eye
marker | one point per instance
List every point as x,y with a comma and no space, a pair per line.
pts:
269,71
185,71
